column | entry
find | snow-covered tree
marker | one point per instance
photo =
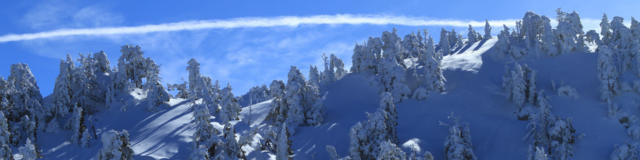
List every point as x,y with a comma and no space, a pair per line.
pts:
547,38
156,94
132,65
605,30
554,134
390,151
231,147
283,145
200,87
303,101
472,36
622,44
230,107
569,32
5,135
278,113
294,97
390,116
392,46
537,153
434,79
86,138
412,43
77,125
181,89
28,151
626,151
338,66
607,73
444,45
458,145
115,146
63,88
515,85
366,137
366,56
314,76
255,95
205,133
487,30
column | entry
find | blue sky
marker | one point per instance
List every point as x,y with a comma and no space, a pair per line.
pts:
241,56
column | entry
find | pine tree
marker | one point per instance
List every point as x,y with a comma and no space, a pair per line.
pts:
472,36
284,151
389,151
77,125
5,135
62,92
231,147
278,113
338,66
607,73
156,95
294,97
458,144
444,44
314,76
537,153
435,80
626,152
132,65
230,107
28,151
388,108
115,146
26,99
487,30
569,30
605,30
205,133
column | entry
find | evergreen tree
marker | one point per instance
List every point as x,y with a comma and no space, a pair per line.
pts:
230,107
487,30
156,94
435,80
444,44
605,30
115,146
62,92
278,113
626,151
5,138
458,144
607,73
284,151
294,97
390,112
77,125
28,151
231,147
472,36
569,32
389,151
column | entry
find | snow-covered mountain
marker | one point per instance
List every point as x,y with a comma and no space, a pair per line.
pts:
531,92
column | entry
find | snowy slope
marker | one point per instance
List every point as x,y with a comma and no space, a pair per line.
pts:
472,75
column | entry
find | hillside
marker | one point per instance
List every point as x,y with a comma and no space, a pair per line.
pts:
533,92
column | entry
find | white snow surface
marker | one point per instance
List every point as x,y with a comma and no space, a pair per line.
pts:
470,58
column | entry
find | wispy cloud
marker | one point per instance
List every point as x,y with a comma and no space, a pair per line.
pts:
254,22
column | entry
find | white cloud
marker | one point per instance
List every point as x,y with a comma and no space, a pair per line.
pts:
291,21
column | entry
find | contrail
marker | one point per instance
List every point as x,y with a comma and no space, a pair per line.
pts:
255,22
